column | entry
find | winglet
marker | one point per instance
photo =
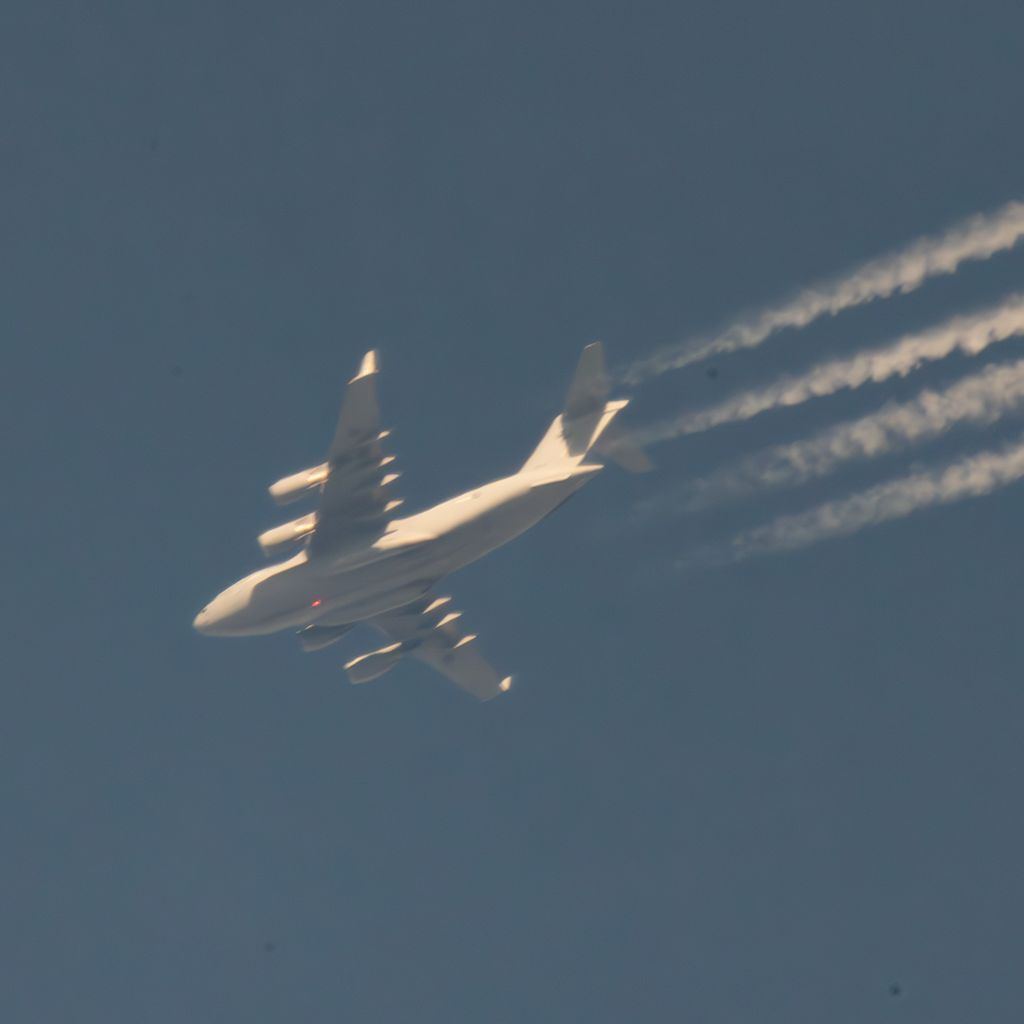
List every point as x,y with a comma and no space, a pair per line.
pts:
367,367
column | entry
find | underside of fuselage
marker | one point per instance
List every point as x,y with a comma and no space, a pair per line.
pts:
337,590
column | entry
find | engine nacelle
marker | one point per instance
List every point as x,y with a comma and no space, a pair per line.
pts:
316,638
368,667
292,488
287,533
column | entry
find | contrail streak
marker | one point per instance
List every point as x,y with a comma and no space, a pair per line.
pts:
970,477
970,334
979,400
977,238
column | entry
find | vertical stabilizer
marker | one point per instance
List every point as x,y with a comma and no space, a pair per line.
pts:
584,419
588,390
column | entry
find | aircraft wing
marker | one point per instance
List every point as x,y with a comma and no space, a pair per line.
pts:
356,495
428,630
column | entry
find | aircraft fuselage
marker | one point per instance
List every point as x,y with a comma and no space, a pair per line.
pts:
412,554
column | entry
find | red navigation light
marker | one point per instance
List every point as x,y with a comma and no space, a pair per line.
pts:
316,603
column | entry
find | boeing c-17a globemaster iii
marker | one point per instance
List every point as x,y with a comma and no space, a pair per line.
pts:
357,562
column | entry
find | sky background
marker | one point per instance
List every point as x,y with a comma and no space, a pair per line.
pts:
785,790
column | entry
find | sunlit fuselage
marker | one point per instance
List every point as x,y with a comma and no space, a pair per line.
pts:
376,577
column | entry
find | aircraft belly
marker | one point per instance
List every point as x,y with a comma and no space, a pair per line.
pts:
478,537
301,594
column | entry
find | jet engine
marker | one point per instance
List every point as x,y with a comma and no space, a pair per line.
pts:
291,488
368,667
316,638
287,533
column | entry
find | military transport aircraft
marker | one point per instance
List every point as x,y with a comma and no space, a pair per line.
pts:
358,563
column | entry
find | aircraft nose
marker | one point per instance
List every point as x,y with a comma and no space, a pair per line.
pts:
201,621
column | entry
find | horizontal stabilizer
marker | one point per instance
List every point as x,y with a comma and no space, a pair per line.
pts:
615,444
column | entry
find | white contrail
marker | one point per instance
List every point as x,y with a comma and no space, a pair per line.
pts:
976,238
969,334
979,400
970,477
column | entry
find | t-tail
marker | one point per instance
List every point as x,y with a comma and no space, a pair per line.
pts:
585,424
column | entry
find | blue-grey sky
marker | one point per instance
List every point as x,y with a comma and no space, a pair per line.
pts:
783,790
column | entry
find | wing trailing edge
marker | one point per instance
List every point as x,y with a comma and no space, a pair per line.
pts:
428,630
